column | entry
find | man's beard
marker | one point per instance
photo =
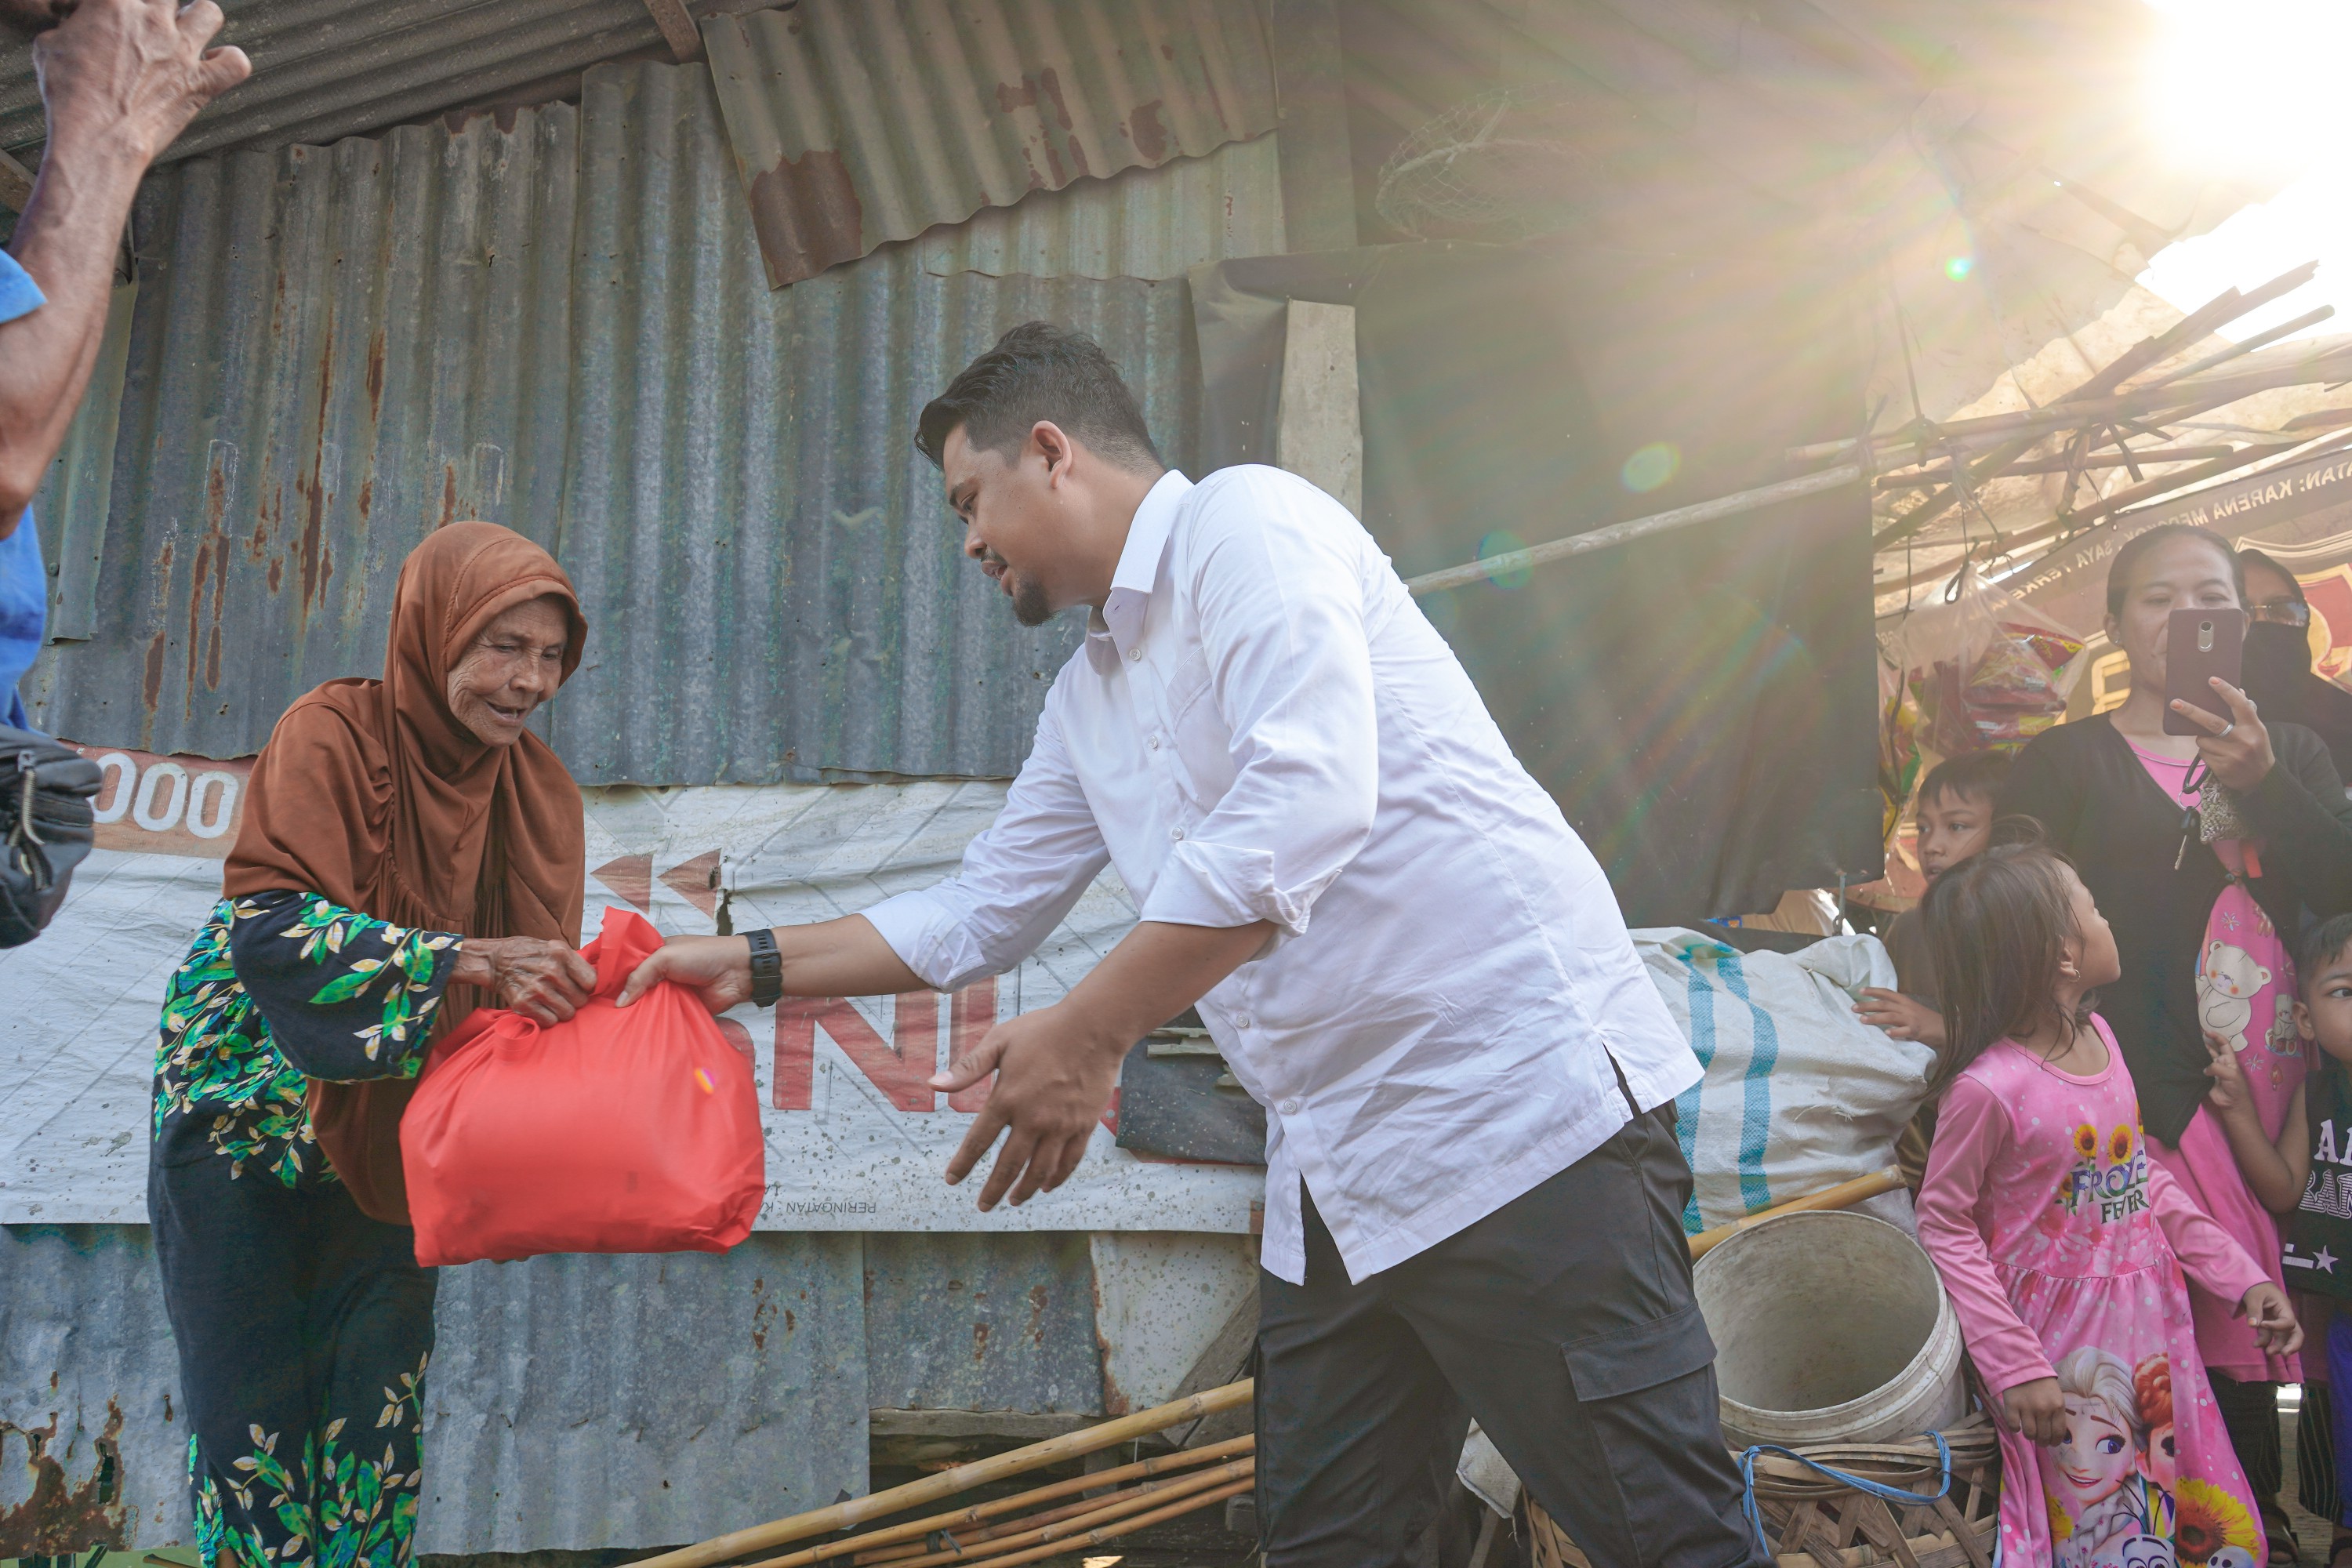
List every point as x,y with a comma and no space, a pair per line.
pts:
1029,603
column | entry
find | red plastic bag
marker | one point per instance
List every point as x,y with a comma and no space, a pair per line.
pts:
636,1131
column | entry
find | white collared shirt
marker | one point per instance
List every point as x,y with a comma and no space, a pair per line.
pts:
1262,726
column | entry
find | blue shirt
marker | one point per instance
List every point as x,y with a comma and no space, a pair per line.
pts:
24,580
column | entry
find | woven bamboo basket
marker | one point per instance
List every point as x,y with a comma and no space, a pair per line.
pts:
1815,1523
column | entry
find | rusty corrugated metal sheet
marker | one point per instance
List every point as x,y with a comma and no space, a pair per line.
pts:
326,69
563,326
973,1322
575,1402
1145,223
855,123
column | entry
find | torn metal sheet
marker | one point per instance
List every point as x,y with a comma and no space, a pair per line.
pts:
855,123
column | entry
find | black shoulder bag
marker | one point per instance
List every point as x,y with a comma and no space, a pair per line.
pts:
46,790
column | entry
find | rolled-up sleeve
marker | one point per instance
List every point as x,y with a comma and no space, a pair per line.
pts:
1018,879
1281,616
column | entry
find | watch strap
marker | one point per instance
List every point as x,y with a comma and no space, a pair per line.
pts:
767,969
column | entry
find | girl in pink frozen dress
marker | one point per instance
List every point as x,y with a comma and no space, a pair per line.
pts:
2063,1246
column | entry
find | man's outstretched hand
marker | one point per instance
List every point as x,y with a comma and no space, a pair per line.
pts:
1053,1080
718,969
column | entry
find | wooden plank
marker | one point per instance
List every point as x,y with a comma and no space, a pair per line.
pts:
16,184
1977,1557
678,29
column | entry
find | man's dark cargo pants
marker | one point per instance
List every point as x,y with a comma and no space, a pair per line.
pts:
1563,1322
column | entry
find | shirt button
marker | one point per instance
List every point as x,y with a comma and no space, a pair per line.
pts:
1177,834
1134,653
1289,1108
1153,743
1242,1022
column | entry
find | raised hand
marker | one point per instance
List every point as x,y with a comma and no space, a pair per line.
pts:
2227,1096
127,76
2237,750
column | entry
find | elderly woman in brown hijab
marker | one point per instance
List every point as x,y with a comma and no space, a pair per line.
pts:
409,851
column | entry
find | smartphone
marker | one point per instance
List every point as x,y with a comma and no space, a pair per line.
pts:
2200,645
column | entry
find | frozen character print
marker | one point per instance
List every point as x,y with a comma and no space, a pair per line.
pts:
2159,1456
2146,1552
2227,982
2096,1466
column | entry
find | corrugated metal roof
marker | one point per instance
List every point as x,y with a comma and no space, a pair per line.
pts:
564,327
1145,223
855,123
573,1401
326,69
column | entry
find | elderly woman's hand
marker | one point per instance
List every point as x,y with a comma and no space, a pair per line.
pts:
544,981
2237,750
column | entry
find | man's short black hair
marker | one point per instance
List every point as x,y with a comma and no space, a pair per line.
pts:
1039,371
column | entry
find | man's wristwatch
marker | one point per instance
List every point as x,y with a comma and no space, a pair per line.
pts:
767,969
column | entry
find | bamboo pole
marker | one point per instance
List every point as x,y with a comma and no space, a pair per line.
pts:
1845,1195
1103,1512
1638,528
964,1477
1113,1531
916,1528
967,1541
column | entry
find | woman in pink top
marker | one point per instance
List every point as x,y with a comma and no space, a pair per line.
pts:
2062,1244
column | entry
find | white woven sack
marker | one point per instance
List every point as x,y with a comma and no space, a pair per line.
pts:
1799,1094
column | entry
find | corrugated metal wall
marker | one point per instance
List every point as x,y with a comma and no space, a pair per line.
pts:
855,122
573,1401
775,585
564,327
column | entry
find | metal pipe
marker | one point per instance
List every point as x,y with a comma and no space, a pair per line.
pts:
1638,528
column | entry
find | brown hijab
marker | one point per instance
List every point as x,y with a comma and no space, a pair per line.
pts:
371,793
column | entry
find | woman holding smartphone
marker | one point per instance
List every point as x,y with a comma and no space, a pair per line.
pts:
2205,851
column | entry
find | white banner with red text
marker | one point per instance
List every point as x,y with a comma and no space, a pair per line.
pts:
856,1139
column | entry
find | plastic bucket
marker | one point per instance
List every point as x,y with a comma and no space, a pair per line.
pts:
1830,1327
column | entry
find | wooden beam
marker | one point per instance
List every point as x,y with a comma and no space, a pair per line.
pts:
678,29
1318,174
16,184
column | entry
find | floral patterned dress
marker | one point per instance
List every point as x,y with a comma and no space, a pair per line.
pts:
2063,1248
303,1325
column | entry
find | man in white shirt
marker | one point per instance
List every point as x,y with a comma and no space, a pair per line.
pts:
1473,1192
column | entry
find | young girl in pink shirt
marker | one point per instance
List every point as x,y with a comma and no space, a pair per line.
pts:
2062,1245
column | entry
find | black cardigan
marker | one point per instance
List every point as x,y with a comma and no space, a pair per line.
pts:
2104,812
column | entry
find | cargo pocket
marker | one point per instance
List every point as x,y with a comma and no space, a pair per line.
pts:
1643,1355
